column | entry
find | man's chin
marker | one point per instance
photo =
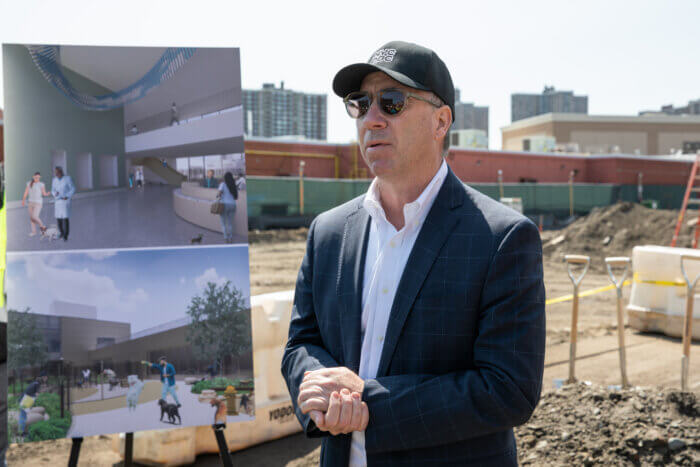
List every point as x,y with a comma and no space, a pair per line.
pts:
382,169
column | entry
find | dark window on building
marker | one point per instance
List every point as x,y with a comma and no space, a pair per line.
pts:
526,145
105,341
691,147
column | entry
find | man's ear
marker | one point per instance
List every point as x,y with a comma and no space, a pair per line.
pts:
443,121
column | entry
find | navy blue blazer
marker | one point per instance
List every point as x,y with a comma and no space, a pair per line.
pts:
463,353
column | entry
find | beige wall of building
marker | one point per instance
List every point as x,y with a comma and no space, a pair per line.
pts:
674,140
79,336
647,135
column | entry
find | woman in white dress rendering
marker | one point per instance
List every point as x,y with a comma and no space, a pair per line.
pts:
34,196
228,194
62,189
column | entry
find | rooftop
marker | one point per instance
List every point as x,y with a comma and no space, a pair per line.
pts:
583,118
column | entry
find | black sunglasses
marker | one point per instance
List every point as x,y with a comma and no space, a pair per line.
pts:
391,102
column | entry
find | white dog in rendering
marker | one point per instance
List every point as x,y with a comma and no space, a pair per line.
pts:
50,234
132,395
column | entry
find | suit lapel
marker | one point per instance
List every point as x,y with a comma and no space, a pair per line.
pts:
350,284
438,225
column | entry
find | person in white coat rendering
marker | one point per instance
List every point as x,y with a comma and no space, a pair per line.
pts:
62,189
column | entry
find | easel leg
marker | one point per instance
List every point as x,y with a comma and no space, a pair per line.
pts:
75,452
223,447
129,450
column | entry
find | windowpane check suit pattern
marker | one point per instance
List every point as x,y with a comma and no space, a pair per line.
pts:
463,353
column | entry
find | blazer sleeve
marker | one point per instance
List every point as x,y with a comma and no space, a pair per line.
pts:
304,350
501,391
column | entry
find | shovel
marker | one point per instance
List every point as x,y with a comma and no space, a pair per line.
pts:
571,260
688,322
610,263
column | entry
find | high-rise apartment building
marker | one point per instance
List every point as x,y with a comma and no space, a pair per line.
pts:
469,116
550,101
693,108
271,111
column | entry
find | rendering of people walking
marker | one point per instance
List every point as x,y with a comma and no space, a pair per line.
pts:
228,194
210,181
25,403
34,194
167,378
174,116
139,178
62,189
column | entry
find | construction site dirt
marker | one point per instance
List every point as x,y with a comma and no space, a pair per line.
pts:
592,422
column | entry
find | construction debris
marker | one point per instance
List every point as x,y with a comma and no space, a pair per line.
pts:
614,231
586,424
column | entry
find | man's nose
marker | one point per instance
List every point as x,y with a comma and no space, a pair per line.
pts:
374,118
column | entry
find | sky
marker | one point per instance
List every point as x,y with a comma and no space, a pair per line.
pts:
144,287
625,56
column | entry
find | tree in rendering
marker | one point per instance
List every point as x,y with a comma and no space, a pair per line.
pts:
25,342
220,324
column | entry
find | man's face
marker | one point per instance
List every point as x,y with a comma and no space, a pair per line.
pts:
163,362
58,173
398,146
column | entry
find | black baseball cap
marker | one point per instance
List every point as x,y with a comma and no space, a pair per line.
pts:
410,64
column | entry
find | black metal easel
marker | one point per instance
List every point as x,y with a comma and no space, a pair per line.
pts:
128,451
75,452
223,447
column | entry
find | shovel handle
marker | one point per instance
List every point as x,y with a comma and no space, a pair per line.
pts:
691,284
577,259
618,261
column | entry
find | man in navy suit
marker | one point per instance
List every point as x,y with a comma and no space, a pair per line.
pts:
418,328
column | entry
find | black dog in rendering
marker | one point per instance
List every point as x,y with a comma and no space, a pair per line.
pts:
171,410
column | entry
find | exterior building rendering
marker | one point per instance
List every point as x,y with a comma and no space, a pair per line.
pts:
272,112
550,101
603,134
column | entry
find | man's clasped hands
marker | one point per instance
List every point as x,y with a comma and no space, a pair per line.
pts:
333,399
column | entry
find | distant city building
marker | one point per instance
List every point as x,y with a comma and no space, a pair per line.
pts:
539,143
604,134
550,101
693,108
271,111
469,116
471,139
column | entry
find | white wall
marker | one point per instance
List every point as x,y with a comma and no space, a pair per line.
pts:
109,176
209,72
83,171
217,127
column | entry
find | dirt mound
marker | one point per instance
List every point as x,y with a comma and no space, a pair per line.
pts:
614,231
278,235
581,424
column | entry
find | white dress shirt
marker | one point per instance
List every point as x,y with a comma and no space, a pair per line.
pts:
387,254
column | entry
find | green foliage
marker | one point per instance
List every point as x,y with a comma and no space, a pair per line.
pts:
199,386
13,402
220,323
52,403
54,428
25,341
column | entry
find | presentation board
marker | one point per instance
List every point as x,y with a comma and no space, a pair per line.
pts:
128,294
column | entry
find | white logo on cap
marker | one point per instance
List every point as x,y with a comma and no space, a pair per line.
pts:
383,55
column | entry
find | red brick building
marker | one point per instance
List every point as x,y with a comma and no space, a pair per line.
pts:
327,160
